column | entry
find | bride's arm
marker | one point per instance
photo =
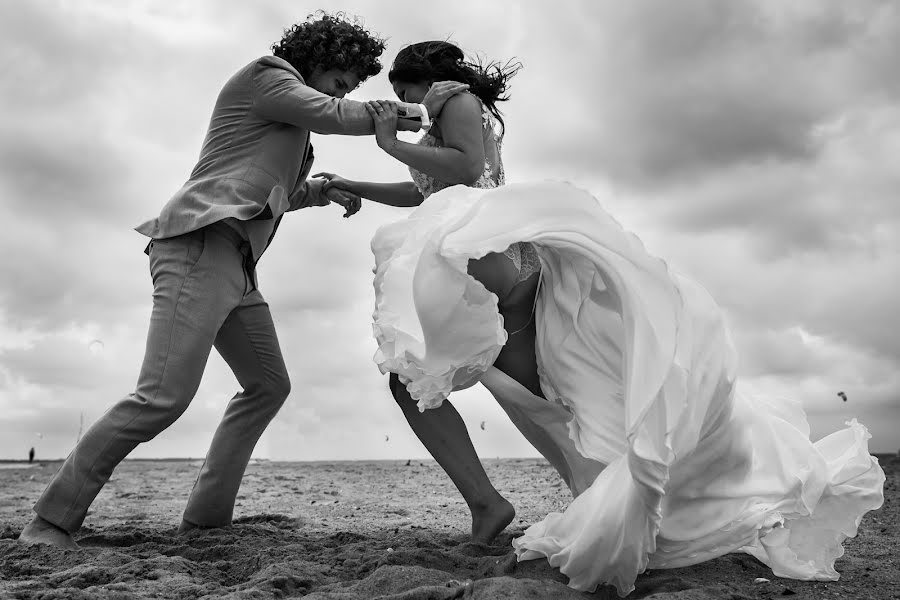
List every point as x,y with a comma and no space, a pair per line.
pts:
459,160
404,193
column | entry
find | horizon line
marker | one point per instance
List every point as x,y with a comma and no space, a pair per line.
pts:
271,460
326,460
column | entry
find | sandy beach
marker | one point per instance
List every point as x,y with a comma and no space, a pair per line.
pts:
359,531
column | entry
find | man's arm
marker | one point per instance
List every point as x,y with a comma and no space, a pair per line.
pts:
308,193
312,192
279,96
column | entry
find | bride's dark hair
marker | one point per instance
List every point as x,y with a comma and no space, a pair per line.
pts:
443,61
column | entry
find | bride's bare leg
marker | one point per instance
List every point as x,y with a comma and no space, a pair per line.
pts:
548,435
444,434
518,358
519,361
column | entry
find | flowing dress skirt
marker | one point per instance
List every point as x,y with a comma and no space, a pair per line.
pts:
638,369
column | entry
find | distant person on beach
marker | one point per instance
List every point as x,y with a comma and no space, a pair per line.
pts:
203,251
619,371
31,455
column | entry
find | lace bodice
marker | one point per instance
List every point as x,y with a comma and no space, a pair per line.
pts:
523,255
490,178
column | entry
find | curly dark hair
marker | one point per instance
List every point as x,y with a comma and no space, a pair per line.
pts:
440,61
331,41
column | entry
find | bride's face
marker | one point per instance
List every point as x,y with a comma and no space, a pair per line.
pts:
411,92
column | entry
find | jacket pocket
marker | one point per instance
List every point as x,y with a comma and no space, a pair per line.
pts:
262,188
257,178
177,256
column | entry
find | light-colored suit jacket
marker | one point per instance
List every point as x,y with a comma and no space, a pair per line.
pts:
256,155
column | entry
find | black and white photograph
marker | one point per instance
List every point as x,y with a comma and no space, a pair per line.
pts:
484,299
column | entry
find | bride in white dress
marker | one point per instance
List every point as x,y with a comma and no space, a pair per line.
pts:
618,370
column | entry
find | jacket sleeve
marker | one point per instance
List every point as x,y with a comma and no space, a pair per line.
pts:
308,193
279,96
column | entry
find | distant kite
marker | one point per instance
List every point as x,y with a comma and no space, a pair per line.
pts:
386,438
482,425
96,347
843,396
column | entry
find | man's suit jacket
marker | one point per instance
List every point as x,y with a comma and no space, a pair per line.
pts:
256,155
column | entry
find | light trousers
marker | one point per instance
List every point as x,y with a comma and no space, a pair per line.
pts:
204,295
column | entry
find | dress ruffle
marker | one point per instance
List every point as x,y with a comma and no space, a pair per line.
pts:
638,370
436,327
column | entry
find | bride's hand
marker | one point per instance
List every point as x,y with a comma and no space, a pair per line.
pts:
335,181
384,115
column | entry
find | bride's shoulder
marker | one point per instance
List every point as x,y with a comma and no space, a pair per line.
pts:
462,103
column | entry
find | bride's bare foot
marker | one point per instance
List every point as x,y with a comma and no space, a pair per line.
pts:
41,531
488,521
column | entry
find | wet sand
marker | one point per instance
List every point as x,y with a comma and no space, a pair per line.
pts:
363,530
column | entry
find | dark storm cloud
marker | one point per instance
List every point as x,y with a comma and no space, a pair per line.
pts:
825,208
74,177
54,151
54,276
660,92
754,142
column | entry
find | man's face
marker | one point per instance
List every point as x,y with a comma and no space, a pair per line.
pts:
333,82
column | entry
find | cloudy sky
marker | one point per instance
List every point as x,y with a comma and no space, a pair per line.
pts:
752,144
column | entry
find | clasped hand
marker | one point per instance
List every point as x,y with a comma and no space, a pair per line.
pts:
350,201
384,116
384,113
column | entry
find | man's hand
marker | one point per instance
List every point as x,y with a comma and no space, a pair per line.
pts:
351,202
439,92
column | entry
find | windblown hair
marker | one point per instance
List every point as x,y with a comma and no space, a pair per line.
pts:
443,61
331,41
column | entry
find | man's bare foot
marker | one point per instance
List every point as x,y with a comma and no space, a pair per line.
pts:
489,521
187,526
41,531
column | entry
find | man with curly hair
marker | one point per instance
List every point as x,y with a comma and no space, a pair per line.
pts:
204,248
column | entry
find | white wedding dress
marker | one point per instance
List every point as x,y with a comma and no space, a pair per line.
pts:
638,369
